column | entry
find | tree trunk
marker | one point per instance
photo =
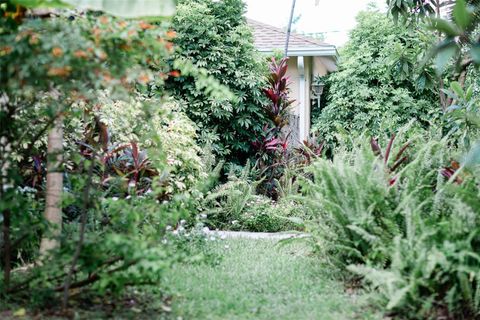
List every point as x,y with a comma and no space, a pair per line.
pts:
53,199
7,266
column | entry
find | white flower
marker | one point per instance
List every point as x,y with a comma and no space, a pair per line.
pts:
212,238
168,228
114,198
175,232
203,216
128,197
182,222
234,221
227,246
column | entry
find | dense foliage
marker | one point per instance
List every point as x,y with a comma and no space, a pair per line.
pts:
214,35
128,161
378,86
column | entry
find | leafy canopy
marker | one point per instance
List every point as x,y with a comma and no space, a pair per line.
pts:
378,87
214,36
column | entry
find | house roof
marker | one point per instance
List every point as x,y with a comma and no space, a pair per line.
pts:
269,38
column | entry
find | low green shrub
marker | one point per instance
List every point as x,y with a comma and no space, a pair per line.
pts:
435,266
413,232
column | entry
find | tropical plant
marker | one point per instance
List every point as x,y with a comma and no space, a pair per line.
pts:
434,266
379,86
273,144
214,36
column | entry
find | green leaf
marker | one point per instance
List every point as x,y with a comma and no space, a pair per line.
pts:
469,93
397,298
42,3
457,88
461,14
129,8
445,53
475,53
119,8
472,159
446,27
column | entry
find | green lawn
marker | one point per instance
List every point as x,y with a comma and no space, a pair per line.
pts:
258,279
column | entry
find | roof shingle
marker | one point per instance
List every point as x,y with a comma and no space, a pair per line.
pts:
269,38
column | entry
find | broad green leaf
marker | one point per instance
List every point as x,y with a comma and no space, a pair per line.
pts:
475,53
457,88
469,93
472,159
447,27
445,54
120,8
129,8
41,3
461,14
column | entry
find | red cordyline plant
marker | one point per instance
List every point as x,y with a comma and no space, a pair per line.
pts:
272,147
399,158
277,93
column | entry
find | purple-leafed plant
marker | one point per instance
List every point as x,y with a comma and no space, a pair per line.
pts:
272,146
277,92
398,159
309,150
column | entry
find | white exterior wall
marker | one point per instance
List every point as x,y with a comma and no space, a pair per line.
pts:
301,71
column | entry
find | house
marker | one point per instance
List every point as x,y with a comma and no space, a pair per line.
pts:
307,58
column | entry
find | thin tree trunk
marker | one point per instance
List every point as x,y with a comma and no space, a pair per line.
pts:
7,266
83,223
289,29
53,199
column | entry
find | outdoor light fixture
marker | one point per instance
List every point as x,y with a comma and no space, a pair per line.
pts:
317,90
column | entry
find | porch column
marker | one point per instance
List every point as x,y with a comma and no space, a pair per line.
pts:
302,111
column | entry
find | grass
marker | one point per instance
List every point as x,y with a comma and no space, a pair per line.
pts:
258,279
252,279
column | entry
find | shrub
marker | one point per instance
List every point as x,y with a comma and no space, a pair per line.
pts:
215,36
168,129
412,232
353,207
377,87
434,271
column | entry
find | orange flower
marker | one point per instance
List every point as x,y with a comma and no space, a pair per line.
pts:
5,50
122,24
57,52
80,54
131,32
143,78
107,77
33,39
125,47
59,71
102,55
96,32
104,19
174,73
145,26
171,34
169,46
